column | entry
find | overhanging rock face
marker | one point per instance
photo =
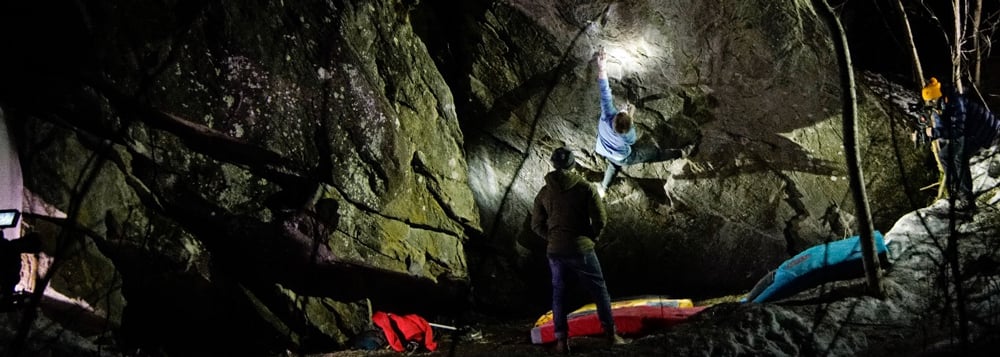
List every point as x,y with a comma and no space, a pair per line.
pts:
266,169
752,84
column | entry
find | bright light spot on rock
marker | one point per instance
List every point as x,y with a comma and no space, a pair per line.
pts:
631,55
453,173
482,178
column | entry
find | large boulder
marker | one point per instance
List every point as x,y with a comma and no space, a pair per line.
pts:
262,170
275,171
753,85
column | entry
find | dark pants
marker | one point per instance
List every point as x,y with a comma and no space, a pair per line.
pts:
588,270
10,266
639,154
954,156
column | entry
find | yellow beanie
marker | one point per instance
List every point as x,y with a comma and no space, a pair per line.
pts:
932,90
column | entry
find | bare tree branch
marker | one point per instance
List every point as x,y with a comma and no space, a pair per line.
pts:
873,272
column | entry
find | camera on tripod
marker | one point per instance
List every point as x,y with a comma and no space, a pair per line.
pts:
924,119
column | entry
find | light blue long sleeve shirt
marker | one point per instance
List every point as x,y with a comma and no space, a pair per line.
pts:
610,143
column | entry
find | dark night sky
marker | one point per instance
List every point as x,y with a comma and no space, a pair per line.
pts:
878,44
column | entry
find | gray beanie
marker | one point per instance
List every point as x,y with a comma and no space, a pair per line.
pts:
562,158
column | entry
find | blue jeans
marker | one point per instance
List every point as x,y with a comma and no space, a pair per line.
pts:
588,270
639,154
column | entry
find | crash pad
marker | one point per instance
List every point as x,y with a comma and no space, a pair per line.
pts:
837,260
632,316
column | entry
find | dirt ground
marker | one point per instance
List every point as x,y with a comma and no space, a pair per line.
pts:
512,338
493,336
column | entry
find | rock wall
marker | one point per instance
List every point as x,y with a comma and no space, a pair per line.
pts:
270,170
752,84
263,170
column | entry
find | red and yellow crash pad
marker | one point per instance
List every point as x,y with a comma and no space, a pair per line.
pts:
632,316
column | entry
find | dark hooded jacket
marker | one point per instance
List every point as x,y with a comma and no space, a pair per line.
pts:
568,213
963,117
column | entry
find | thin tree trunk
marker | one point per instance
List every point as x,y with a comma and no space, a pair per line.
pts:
952,253
977,55
952,256
942,178
917,68
918,71
956,47
849,97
